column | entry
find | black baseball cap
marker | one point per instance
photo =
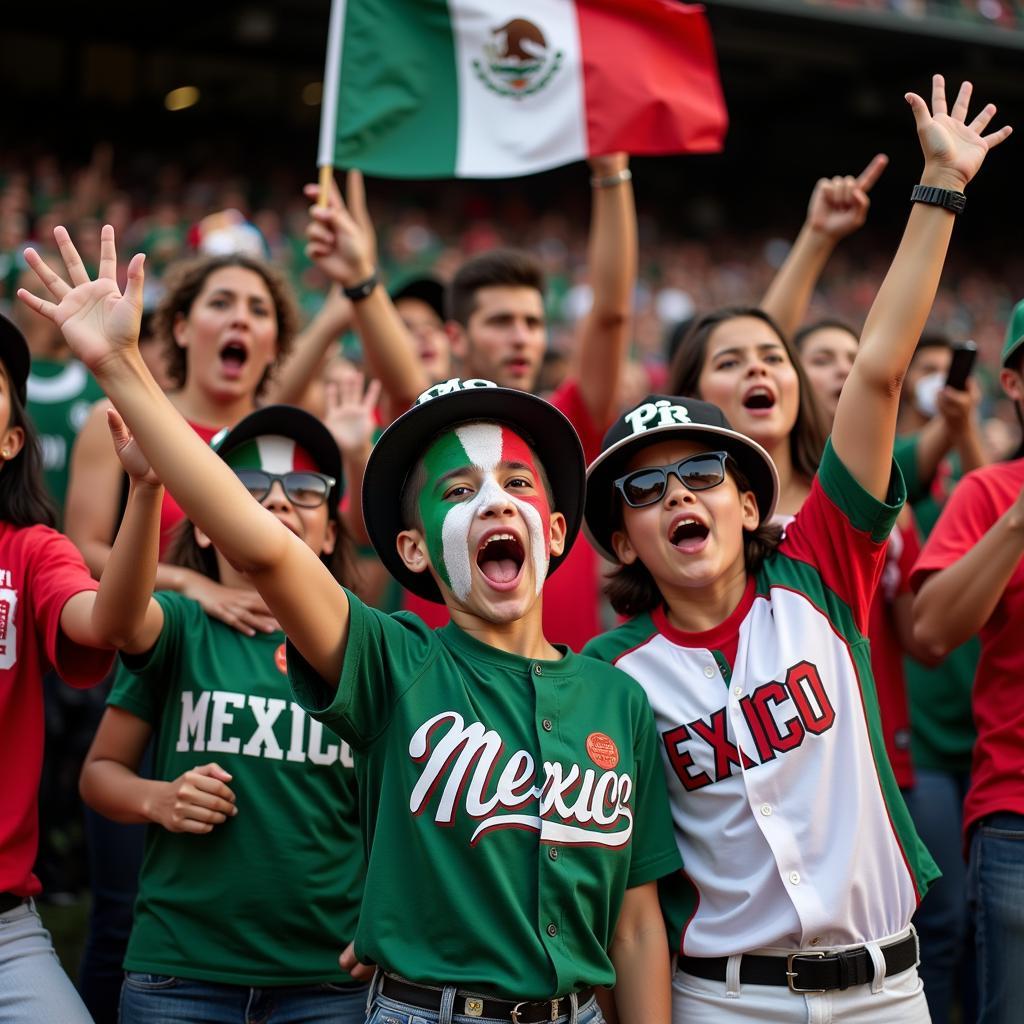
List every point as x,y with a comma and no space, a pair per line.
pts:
663,418
15,356
442,408
298,425
426,288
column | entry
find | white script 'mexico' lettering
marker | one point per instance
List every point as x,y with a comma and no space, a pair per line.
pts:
463,762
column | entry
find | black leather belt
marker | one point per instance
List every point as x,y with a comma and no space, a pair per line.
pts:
8,901
469,1005
808,971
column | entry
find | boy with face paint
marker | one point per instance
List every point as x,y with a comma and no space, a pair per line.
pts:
514,826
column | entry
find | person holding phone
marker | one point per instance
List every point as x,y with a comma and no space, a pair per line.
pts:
970,580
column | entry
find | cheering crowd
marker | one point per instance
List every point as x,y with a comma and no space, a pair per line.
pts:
358,710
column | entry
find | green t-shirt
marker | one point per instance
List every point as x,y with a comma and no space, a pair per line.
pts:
60,395
271,896
941,724
508,804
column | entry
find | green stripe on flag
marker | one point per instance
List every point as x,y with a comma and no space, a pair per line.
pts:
398,98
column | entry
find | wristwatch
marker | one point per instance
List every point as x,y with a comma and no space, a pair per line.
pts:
944,197
360,291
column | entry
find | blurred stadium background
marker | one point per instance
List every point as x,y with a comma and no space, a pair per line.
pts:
152,116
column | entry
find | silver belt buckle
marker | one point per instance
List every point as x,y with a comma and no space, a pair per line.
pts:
791,974
514,1015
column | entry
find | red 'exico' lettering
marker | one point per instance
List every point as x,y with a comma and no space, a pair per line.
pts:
764,748
714,732
775,693
682,760
800,679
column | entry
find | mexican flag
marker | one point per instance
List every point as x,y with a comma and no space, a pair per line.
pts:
480,89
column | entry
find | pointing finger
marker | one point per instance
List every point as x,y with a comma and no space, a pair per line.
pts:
867,178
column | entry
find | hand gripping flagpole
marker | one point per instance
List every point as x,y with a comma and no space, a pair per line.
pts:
329,101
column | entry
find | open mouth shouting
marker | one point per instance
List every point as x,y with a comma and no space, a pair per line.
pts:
759,401
688,534
500,558
233,357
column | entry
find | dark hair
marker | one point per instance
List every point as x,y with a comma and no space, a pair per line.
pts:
807,438
24,500
828,323
511,268
184,282
632,590
932,339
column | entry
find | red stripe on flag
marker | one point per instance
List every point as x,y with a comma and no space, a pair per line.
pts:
650,78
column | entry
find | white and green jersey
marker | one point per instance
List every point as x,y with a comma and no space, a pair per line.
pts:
789,820
507,804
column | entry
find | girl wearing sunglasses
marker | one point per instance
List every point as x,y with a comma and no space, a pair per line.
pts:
253,869
802,868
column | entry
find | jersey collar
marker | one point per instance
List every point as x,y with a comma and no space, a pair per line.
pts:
716,638
459,640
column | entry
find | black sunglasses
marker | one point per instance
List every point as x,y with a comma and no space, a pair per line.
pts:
645,486
302,488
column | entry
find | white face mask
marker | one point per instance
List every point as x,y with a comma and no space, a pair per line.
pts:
926,394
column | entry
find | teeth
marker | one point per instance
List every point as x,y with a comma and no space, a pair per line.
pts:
496,537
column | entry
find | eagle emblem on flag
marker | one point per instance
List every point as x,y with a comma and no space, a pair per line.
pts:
518,61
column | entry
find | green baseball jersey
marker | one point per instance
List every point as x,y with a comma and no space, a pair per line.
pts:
942,729
271,896
60,395
507,804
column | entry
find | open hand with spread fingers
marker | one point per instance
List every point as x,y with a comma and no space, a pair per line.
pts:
97,321
953,149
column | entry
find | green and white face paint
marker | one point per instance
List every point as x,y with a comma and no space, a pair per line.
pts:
447,523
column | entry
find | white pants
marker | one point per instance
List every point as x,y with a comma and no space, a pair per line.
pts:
896,1000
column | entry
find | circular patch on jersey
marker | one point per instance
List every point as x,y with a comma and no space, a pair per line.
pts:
602,750
281,660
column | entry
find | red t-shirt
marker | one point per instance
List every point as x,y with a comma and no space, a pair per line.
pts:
170,511
997,774
887,652
572,595
40,570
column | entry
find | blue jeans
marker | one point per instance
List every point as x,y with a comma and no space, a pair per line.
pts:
995,886
942,921
389,1011
33,985
160,999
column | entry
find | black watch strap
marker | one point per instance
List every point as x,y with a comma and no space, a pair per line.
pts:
944,197
360,291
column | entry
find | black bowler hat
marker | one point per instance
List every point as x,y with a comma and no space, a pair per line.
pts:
444,407
662,418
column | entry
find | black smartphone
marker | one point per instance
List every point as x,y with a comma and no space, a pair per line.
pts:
964,354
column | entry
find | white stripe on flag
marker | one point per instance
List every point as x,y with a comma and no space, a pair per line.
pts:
277,454
506,130
332,82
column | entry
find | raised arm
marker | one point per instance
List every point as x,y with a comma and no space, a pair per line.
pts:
91,518
603,334
341,243
293,377
122,612
349,417
838,207
865,421
101,327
